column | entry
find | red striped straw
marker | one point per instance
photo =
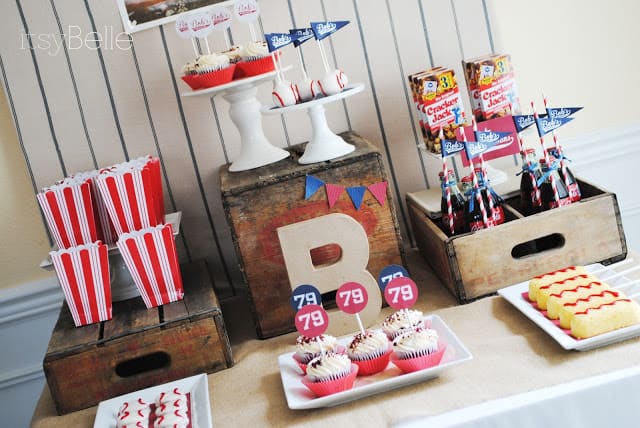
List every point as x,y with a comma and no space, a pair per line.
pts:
445,183
554,186
476,187
483,169
556,144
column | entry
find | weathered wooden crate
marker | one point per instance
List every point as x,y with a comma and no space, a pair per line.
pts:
477,264
139,347
258,201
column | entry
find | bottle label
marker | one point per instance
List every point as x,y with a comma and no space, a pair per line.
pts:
564,201
476,225
574,192
498,215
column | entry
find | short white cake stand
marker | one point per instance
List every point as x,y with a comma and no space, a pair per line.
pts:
324,144
244,110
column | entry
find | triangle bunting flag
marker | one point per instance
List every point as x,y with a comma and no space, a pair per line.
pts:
312,184
356,194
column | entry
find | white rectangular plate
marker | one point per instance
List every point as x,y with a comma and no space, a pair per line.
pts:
513,294
196,385
299,397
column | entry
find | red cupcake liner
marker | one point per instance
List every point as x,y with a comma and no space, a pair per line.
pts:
329,387
303,364
219,77
419,363
192,80
253,68
373,366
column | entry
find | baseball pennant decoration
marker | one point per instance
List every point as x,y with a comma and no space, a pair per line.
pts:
562,112
451,147
356,194
547,124
312,184
333,193
379,191
322,30
277,41
301,35
523,121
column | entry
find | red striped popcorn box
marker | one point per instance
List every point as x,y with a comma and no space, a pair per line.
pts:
151,257
83,272
68,210
130,192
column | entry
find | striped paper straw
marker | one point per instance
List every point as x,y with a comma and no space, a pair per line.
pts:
476,187
556,144
68,211
445,183
152,260
83,272
483,170
554,186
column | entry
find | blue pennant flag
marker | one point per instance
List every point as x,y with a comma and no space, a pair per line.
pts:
522,122
325,29
451,147
301,35
356,194
562,112
547,124
276,41
490,138
312,184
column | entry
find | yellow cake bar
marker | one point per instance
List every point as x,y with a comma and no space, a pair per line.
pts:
551,277
566,284
604,318
556,300
579,305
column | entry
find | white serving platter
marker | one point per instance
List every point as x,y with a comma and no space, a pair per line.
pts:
196,385
299,397
513,294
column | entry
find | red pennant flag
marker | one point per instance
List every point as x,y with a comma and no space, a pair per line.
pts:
379,191
333,193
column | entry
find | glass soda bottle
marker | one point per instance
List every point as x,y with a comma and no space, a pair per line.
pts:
546,188
472,212
530,199
496,216
457,204
573,188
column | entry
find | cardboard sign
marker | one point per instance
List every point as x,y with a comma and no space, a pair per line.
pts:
505,147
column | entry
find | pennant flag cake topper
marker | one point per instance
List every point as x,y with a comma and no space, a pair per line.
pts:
276,41
451,147
547,124
523,121
325,29
312,184
562,112
356,194
301,35
379,191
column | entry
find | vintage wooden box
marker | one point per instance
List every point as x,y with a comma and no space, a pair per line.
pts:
477,264
258,201
138,348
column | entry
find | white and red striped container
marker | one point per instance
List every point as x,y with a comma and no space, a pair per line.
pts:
68,210
132,194
83,272
151,257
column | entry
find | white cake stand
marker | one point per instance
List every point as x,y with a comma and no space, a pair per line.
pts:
244,110
324,144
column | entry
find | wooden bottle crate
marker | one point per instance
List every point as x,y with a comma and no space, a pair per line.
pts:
474,265
139,347
258,201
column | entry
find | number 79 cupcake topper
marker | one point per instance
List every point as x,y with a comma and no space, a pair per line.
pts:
352,298
311,319
399,290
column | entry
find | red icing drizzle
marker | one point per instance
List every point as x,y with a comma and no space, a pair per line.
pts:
556,271
589,285
584,275
586,299
586,311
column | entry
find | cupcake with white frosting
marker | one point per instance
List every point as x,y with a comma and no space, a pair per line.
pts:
307,348
330,373
402,321
369,351
417,349
254,59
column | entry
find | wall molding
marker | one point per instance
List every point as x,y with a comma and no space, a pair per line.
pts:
30,299
597,147
22,375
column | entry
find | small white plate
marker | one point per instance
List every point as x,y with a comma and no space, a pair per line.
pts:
196,385
299,397
513,294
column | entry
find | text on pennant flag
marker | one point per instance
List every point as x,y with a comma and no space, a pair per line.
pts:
276,41
475,148
548,124
325,29
490,138
312,184
451,147
301,35
356,194
562,112
522,122
505,147
333,193
379,191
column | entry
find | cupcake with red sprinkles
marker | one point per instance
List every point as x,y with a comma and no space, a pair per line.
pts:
417,349
330,373
370,351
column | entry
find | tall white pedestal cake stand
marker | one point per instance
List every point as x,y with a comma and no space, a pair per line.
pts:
324,144
244,110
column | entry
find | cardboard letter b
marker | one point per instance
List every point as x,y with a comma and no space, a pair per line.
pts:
298,239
